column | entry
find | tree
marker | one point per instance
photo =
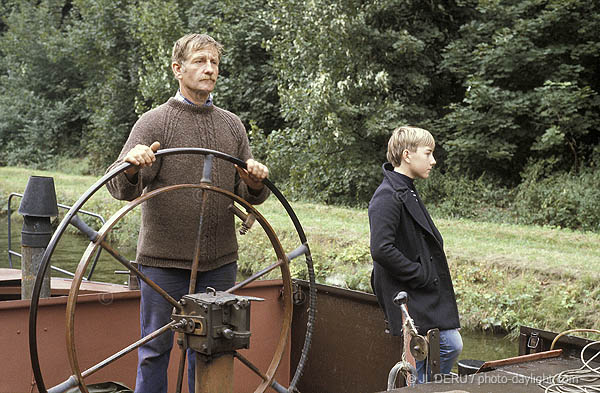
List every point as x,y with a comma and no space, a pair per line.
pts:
41,109
156,25
529,70
100,42
248,81
349,72
6,7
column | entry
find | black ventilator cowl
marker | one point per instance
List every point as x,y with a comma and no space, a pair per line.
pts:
39,198
37,206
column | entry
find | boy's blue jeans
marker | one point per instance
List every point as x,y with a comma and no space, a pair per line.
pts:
155,312
450,348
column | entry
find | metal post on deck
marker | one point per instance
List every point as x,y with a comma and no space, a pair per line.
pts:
214,375
37,206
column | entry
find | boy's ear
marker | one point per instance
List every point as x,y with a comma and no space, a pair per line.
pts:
405,155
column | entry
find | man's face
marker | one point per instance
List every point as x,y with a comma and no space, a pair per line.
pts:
420,162
199,72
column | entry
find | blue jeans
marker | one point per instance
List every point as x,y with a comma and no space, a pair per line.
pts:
450,348
155,312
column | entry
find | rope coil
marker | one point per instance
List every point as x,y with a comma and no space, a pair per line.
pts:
585,379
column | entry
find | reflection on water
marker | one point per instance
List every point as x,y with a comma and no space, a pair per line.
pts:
481,346
67,253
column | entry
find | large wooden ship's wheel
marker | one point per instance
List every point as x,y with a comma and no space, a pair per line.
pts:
183,320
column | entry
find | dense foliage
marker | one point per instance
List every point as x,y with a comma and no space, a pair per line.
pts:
530,74
42,112
351,71
509,89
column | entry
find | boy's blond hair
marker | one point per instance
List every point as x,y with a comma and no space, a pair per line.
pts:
189,42
407,138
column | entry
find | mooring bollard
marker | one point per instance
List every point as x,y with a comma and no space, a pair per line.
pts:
37,206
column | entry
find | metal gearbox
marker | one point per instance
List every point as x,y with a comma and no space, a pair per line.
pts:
214,322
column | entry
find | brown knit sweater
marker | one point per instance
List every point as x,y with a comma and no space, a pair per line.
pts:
170,221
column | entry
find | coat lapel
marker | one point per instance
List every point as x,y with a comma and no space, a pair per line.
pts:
436,233
410,200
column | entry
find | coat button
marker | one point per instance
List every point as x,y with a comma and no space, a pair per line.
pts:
431,259
436,281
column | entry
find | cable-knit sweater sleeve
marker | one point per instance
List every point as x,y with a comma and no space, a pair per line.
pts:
146,130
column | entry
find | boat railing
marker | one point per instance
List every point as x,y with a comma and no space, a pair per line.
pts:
12,253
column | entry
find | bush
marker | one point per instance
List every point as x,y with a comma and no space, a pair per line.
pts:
564,200
453,195
544,197
71,165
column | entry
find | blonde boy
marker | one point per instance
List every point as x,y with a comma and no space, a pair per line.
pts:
407,249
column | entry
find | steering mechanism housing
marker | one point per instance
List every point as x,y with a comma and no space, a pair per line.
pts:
215,322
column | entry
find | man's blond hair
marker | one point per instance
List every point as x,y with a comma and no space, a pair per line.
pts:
407,138
191,42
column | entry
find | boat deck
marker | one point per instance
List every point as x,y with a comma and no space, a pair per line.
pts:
10,285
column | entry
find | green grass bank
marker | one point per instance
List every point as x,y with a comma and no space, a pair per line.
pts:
505,275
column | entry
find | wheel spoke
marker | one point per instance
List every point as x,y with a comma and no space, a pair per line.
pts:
181,362
274,384
302,249
124,261
70,383
128,349
206,179
251,366
254,277
197,248
94,236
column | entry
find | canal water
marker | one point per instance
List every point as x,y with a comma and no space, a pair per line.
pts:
71,246
67,254
486,346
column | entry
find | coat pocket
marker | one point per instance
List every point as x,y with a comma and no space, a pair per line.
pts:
429,278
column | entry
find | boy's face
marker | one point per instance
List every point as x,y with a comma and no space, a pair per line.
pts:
418,163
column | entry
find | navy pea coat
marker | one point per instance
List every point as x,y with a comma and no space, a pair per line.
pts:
408,255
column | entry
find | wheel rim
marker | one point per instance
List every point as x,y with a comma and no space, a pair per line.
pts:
109,225
45,262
